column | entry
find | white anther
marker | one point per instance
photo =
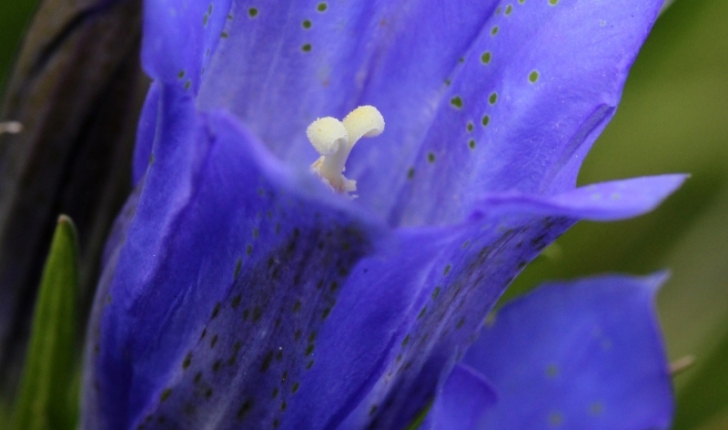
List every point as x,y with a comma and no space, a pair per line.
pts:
11,127
334,139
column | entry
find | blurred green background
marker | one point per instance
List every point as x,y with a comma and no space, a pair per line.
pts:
673,118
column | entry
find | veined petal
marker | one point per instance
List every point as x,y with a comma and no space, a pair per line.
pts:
463,271
226,274
536,88
580,355
282,64
478,96
180,38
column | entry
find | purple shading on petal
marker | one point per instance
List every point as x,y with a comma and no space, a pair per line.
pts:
580,355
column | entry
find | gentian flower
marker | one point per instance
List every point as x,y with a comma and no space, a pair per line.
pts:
242,291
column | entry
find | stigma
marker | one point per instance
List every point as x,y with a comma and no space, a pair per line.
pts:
334,139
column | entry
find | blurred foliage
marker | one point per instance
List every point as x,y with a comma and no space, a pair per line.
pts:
673,118
15,16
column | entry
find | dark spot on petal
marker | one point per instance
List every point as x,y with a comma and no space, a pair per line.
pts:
238,265
266,362
215,311
187,361
245,408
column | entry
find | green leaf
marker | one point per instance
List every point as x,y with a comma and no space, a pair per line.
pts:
48,375
420,418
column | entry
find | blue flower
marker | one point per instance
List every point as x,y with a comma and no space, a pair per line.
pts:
239,291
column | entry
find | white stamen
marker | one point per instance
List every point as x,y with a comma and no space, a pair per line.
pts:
334,139
11,127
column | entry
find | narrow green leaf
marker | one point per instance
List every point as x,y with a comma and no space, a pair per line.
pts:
48,375
420,418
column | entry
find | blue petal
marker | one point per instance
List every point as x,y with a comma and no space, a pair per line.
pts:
606,201
463,400
528,136
224,278
462,271
294,61
281,64
146,133
180,38
581,355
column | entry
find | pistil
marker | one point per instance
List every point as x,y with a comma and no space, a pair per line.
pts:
334,139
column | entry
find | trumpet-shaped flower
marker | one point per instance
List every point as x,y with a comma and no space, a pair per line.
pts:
243,286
